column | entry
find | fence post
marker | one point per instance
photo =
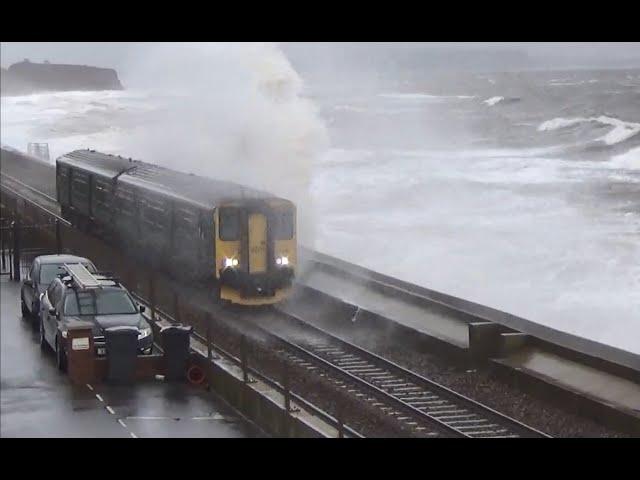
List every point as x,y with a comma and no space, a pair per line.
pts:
58,237
209,349
152,299
4,261
16,250
286,386
243,359
340,421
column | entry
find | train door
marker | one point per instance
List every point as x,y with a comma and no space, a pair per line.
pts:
257,243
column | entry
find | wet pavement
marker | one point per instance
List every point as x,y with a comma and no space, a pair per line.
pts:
39,401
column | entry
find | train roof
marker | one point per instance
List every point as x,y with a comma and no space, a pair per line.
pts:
189,187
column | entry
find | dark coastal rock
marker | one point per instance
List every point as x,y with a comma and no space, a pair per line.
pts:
27,77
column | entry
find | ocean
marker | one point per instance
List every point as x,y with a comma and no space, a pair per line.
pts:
516,190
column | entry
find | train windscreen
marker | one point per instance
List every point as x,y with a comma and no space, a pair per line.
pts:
229,224
284,225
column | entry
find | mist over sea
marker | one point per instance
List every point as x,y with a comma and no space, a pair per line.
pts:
517,190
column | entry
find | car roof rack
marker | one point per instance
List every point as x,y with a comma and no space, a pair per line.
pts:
107,277
81,276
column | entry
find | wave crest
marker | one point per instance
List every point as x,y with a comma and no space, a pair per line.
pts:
620,132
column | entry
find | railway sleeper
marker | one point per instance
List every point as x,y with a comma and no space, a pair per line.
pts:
452,414
438,404
485,434
408,398
394,383
382,377
406,389
363,368
368,371
488,428
352,363
477,422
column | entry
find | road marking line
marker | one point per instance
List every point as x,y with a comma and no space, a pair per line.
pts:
122,423
110,410
99,397
133,435
89,387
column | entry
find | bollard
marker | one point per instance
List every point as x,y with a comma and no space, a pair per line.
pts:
243,359
176,345
81,366
58,238
16,251
122,354
286,386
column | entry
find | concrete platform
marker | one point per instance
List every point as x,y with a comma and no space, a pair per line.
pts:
596,384
417,317
39,401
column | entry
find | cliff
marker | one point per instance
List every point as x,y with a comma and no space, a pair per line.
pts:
27,77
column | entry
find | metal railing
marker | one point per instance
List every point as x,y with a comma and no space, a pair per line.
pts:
15,253
249,373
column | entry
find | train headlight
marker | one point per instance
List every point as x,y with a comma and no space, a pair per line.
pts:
282,261
231,262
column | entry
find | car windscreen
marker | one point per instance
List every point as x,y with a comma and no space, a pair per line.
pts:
99,302
49,271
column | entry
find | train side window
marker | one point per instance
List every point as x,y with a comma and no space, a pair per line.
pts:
284,225
229,224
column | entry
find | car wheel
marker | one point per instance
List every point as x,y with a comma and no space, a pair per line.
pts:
61,358
43,340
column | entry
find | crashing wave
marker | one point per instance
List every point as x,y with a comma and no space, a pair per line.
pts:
620,132
495,100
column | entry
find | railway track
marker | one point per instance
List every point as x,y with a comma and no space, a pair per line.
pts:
412,400
420,405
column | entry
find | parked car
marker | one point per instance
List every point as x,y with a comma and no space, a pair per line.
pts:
43,271
91,297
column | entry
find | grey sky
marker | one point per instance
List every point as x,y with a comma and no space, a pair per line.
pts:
552,54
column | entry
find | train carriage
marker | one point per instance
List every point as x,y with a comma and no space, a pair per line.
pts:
242,238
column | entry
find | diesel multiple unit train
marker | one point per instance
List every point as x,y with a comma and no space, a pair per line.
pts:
188,225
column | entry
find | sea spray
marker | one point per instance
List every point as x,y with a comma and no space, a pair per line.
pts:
233,112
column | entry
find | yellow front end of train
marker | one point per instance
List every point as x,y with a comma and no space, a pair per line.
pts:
255,250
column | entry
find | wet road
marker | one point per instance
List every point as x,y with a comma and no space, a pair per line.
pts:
39,401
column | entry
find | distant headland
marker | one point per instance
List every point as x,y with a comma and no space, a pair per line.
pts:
27,77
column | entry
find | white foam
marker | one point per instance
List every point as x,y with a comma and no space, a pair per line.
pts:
493,100
629,160
558,123
561,83
621,130
424,96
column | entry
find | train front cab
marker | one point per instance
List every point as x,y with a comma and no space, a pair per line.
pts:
256,252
